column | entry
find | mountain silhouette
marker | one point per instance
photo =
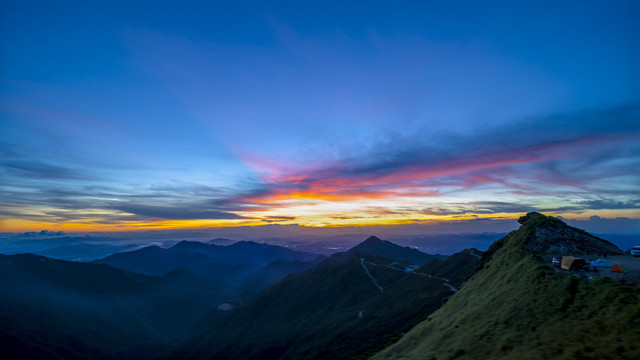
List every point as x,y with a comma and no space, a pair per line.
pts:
241,257
226,265
386,249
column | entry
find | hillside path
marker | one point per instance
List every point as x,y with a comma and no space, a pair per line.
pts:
368,274
445,282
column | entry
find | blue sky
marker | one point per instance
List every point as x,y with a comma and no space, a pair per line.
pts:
156,115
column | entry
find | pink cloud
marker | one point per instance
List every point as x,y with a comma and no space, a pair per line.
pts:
405,177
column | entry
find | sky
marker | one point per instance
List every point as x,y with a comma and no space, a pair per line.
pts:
121,116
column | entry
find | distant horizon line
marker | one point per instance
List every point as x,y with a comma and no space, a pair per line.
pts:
501,224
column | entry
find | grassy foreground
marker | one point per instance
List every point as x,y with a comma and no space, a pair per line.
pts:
519,308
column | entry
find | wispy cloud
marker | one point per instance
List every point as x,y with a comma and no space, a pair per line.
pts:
43,170
410,166
545,156
610,204
175,212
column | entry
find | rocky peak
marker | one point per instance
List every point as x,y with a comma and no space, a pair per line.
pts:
550,236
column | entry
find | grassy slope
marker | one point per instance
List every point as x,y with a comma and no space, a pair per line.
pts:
518,308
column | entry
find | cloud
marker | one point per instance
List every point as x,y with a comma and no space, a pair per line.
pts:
175,213
610,205
496,207
601,225
43,170
42,233
272,219
571,156
489,207
280,217
403,166
113,205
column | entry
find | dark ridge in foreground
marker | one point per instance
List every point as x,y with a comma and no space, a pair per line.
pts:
517,307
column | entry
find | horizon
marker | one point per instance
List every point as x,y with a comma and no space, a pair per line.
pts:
324,117
594,224
444,238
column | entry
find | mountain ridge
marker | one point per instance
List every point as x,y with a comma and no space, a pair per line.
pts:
517,306
225,264
350,305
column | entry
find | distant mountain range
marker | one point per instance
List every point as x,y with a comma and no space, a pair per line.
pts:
226,265
239,257
74,248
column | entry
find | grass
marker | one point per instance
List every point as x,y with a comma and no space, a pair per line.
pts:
518,308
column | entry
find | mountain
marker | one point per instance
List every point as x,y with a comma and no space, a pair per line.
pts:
351,305
265,254
251,286
221,241
274,272
61,309
241,270
456,268
386,249
227,265
555,238
74,248
151,260
518,307
242,257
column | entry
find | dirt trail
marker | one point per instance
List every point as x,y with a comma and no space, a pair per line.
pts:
445,281
368,274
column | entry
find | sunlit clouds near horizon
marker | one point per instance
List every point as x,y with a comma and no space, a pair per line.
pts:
130,117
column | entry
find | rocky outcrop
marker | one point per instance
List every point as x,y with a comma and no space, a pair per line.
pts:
552,237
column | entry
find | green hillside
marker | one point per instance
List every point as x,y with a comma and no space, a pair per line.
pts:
516,307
